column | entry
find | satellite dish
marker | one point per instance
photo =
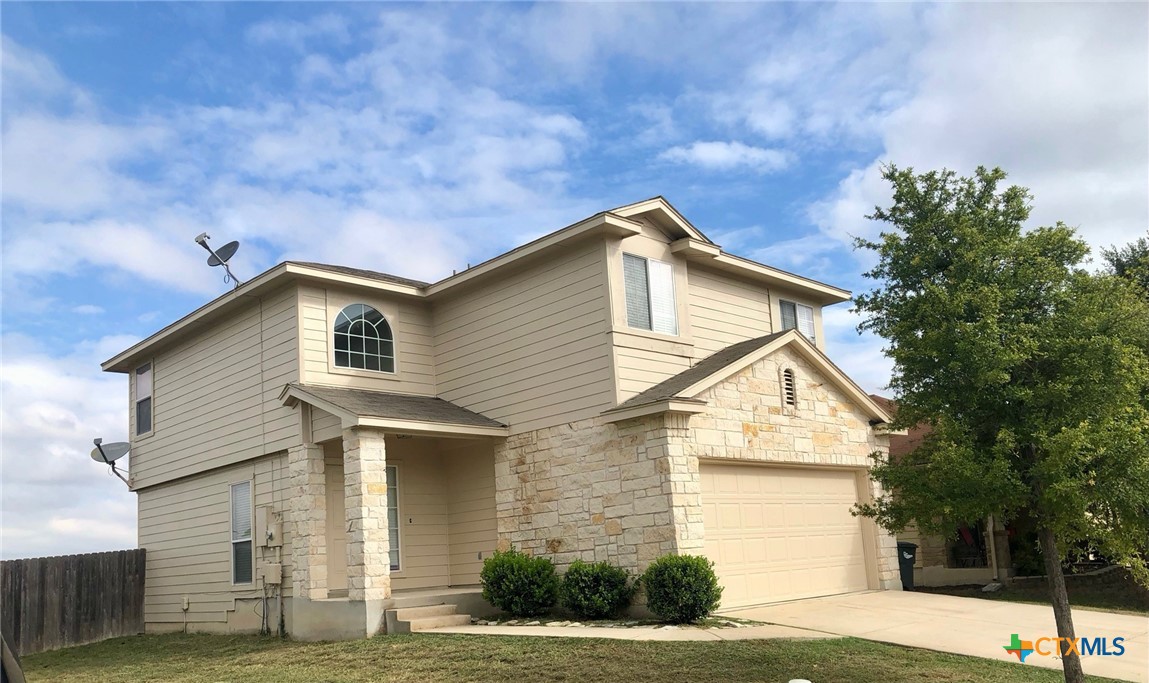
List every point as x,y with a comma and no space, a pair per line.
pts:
109,453
221,255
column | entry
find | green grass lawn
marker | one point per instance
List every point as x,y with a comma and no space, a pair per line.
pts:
429,658
1117,597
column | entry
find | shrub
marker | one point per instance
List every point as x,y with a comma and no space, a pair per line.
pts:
517,583
681,588
595,591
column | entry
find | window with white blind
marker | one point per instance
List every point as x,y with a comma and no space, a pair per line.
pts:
799,317
649,288
241,546
143,380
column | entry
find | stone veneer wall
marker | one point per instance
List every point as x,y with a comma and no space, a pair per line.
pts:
591,490
630,492
746,420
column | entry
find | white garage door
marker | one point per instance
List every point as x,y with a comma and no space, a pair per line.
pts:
779,533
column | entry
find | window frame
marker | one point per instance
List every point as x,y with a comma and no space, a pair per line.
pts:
136,400
333,362
650,297
232,541
813,336
398,560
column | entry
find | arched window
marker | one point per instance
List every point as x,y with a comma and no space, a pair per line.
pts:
789,388
363,340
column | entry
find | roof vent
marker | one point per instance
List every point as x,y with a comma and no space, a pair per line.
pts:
789,388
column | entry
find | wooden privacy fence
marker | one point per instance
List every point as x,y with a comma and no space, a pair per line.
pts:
52,602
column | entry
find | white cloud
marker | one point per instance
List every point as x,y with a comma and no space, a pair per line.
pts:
727,156
88,309
297,34
1063,110
55,498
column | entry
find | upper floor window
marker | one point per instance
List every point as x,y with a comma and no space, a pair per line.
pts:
143,380
649,288
797,316
363,340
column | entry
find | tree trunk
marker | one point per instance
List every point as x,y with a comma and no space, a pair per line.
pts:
1070,660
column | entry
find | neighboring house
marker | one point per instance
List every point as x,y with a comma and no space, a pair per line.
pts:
970,554
616,390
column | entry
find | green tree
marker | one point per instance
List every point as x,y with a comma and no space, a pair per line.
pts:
1033,373
1131,262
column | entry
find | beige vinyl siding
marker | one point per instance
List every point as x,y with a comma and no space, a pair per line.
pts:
725,311
423,534
422,514
336,520
472,528
185,527
410,324
216,394
639,369
529,349
325,426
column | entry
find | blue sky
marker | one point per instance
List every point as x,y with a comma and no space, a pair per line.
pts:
415,139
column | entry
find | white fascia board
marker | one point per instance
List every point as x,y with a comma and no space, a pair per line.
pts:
430,428
689,247
674,405
608,223
354,280
819,291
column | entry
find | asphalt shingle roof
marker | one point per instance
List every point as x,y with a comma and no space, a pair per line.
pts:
671,387
398,406
359,272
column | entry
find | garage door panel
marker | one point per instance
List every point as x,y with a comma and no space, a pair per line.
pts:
778,533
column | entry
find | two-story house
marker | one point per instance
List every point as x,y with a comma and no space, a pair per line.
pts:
343,442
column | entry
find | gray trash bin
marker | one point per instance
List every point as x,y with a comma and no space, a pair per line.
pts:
907,555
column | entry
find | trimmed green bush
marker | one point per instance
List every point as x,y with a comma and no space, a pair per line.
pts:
519,584
595,591
681,588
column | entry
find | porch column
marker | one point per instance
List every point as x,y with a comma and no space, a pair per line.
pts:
309,516
365,488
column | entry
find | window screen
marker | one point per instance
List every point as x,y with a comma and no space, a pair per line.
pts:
797,316
241,555
649,294
637,291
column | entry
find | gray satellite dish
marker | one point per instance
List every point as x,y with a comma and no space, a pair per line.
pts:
108,453
221,255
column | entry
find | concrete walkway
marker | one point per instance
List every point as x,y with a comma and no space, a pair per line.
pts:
640,632
967,626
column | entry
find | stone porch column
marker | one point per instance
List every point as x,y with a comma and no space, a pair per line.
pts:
309,518
365,487
681,482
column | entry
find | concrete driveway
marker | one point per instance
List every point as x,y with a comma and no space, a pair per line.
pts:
965,626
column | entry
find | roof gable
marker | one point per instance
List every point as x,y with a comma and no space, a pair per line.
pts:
731,360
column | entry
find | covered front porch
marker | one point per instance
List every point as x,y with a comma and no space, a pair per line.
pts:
394,507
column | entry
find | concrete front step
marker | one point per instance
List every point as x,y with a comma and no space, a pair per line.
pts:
424,618
409,613
443,621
